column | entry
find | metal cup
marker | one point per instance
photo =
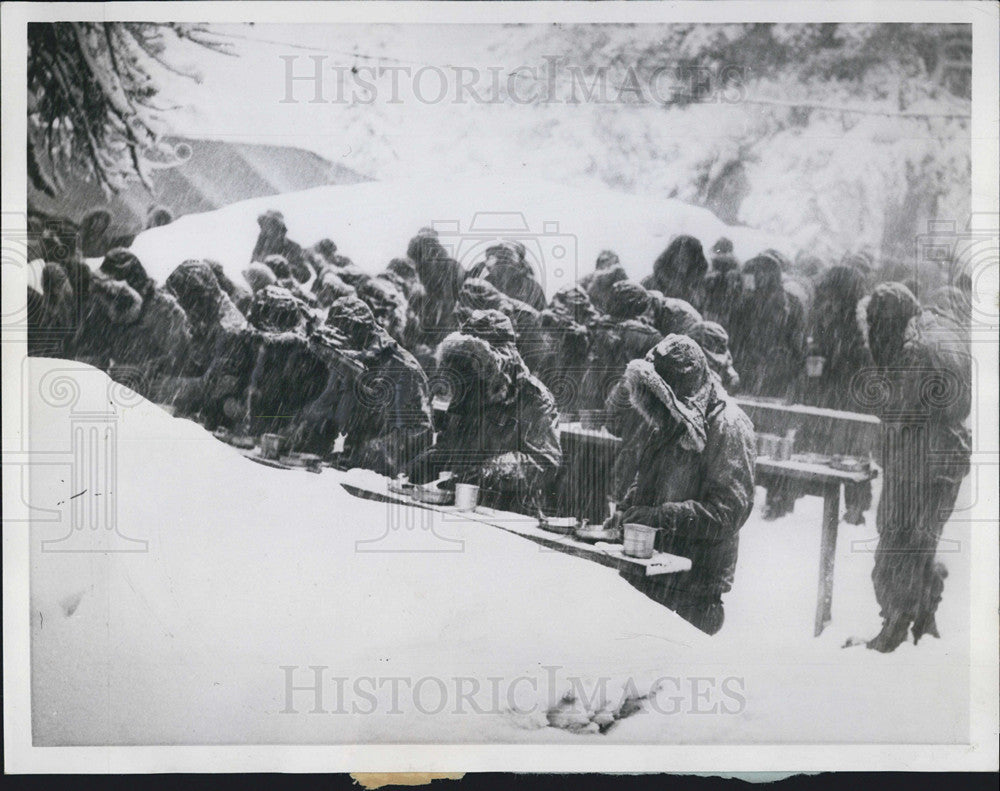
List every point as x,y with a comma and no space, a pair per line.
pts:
638,540
814,366
466,496
270,445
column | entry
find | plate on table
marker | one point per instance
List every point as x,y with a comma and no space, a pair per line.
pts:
812,458
593,534
402,487
308,461
848,464
564,525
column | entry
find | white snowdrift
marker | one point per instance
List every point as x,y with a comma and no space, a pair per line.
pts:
564,228
251,569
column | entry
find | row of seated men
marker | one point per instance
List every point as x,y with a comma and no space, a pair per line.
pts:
317,350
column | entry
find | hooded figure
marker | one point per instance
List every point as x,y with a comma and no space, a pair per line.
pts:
351,273
321,255
478,294
680,271
564,344
694,477
258,276
837,338
329,287
671,316
110,307
375,393
622,335
442,277
223,348
606,259
94,239
499,431
52,315
505,267
286,375
241,296
273,240
600,285
282,270
924,374
158,216
767,332
388,305
159,341
723,285
714,342
402,273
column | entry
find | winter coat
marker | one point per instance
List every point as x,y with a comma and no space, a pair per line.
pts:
606,259
925,379
697,500
109,308
722,294
158,343
287,375
671,316
613,344
375,392
601,282
837,338
442,277
517,281
500,431
223,346
241,296
714,342
388,305
479,294
561,359
53,314
680,271
767,333
923,395
272,240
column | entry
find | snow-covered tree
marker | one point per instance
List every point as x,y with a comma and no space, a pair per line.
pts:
91,97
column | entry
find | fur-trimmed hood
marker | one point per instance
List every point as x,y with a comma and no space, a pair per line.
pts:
118,301
657,404
472,361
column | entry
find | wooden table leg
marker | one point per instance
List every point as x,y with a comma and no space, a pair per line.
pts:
827,554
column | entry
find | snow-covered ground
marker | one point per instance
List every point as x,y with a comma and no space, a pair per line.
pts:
564,228
249,570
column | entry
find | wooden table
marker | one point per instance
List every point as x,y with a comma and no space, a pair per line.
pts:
825,482
597,446
607,554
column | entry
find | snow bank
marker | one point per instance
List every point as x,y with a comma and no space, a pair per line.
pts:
564,228
253,576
